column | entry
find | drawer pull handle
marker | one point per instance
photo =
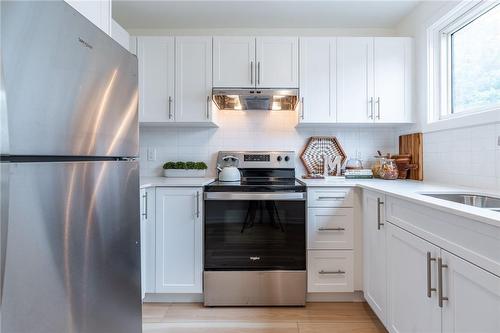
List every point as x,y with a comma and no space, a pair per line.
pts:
331,198
331,229
331,272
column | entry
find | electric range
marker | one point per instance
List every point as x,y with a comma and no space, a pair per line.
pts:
255,233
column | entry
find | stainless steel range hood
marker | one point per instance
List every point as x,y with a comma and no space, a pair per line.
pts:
256,99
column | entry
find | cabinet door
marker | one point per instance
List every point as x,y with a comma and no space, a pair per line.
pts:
234,62
147,241
96,11
473,297
412,306
156,78
392,79
193,79
355,79
178,240
330,228
317,80
277,62
374,253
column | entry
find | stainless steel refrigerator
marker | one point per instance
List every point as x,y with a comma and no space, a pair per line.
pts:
70,252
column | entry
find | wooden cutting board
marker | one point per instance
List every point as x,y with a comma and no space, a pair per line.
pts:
413,144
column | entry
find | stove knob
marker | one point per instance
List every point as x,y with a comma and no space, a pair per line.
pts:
287,158
279,158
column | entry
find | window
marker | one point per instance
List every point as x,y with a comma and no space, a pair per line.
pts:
465,61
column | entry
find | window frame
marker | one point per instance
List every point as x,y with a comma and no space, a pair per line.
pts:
440,60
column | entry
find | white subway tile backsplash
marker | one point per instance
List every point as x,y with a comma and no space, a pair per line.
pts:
465,156
255,131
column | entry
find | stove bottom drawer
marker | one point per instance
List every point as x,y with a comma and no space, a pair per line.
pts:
330,271
254,288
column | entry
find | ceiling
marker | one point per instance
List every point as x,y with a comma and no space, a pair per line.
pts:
145,14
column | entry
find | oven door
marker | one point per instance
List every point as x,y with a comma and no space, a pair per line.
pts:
255,231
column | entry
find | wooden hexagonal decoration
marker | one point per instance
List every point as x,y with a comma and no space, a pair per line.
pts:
318,146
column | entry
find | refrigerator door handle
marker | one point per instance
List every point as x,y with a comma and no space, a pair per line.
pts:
4,221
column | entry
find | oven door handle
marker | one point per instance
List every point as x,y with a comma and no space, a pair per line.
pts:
289,196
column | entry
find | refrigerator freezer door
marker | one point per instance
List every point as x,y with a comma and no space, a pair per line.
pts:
73,255
71,89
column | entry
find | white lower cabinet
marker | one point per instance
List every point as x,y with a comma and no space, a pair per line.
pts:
148,270
374,253
412,281
473,294
330,240
179,240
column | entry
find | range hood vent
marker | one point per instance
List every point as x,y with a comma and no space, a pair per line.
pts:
256,99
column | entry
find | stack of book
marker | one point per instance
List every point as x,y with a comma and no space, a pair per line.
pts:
358,174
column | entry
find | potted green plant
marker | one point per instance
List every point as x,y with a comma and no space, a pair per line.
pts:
184,169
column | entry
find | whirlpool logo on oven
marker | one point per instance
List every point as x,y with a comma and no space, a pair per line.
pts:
254,258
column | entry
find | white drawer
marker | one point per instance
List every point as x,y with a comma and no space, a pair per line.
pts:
330,228
330,271
330,197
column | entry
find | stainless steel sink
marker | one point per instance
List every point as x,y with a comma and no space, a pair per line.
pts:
476,200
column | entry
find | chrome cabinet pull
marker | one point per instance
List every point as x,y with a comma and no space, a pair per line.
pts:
378,108
370,111
169,107
331,198
379,204
258,72
429,276
441,298
251,72
145,213
208,107
332,229
331,272
302,113
197,204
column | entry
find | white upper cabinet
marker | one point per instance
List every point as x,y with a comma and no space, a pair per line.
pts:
179,240
96,11
473,303
277,62
392,75
355,79
156,78
193,79
262,62
234,62
318,80
412,276
120,35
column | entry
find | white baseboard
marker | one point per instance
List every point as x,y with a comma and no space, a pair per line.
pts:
356,296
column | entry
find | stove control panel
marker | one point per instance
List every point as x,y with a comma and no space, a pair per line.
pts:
260,159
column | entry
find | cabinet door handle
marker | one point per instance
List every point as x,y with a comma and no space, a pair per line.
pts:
331,198
331,272
441,298
208,107
331,229
251,72
197,204
169,107
429,275
378,108
302,113
370,110
145,213
379,205
258,72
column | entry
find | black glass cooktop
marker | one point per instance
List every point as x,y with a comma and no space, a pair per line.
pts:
257,185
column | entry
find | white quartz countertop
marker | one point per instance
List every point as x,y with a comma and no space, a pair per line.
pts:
411,190
174,182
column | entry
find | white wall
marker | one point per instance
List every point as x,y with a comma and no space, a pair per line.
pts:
253,130
467,156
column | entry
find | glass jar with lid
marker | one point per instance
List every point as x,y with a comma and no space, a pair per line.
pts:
388,169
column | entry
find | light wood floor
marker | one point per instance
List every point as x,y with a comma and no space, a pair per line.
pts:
314,318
